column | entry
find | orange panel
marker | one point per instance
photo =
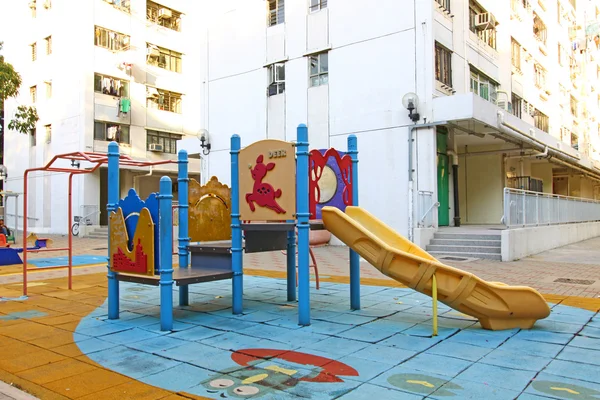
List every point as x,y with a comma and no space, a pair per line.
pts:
209,211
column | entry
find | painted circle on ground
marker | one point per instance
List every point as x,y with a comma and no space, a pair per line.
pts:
328,184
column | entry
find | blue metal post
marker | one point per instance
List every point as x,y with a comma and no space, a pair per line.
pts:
113,202
303,215
354,258
184,240
165,229
236,229
291,265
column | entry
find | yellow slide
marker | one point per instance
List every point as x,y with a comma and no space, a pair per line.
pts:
496,305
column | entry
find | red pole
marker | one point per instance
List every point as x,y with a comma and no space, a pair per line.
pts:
69,230
25,233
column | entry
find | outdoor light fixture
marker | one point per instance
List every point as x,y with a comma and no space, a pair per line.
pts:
410,101
3,172
204,143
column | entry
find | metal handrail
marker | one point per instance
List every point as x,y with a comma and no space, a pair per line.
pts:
434,205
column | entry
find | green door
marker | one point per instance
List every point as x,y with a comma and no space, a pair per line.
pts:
442,178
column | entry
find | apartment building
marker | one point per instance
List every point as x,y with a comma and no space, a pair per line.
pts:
507,97
98,71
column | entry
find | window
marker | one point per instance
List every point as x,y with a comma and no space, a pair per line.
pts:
276,13
483,24
111,86
164,100
445,4
48,41
108,131
319,69
276,79
48,133
33,51
167,140
33,138
541,121
316,5
515,54
163,58
48,90
123,5
163,16
539,29
540,76
110,40
517,105
574,107
443,65
574,141
483,86
33,94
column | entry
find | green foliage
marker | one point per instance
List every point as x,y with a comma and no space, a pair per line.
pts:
10,80
25,119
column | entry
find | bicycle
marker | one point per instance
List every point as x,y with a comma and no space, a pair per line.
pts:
80,220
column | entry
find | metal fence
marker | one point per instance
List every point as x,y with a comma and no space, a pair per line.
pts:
526,208
426,208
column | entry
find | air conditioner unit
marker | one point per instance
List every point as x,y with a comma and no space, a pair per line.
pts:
156,147
485,21
164,13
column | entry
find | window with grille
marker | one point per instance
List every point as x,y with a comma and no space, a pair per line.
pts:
48,41
445,4
443,65
33,94
33,51
487,35
108,132
515,54
276,12
574,107
167,140
541,121
517,105
110,40
319,69
48,90
276,79
539,29
574,141
163,58
483,86
112,86
164,100
48,133
33,6
540,76
316,5
163,16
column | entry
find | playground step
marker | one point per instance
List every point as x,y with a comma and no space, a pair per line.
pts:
465,249
465,242
471,236
440,254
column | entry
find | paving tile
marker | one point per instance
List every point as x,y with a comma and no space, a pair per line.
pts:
351,319
132,363
569,318
234,341
410,380
515,360
195,334
337,346
92,345
497,376
475,338
527,396
368,391
298,338
366,369
424,330
264,331
577,354
128,336
387,355
201,355
459,350
55,371
30,360
258,316
559,387
326,328
473,390
574,370
104,329
86,383
156,344
179,378
178,326
435,364
373,312
585,342
538,335
129,390
534,348
412,343
559,327
366,334
392,326
590,332
325,390
287,322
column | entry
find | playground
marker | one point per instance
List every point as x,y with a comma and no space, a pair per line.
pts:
211,330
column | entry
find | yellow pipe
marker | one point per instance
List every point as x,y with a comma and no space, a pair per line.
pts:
434,298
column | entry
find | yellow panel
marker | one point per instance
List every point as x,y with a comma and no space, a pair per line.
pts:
268,181
209,211
140,260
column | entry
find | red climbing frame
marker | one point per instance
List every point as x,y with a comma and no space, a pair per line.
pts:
96,160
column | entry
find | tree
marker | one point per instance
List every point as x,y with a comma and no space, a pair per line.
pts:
10,82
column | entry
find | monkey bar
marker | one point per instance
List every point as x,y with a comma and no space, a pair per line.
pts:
76,158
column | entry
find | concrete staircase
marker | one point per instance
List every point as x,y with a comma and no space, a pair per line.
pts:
466,245
98,233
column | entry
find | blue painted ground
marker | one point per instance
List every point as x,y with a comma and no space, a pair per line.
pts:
56,261
383,351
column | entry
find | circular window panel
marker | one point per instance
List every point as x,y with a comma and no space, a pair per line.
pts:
328,185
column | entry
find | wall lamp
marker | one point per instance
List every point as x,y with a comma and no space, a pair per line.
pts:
410,101
204,143
75,164
3,172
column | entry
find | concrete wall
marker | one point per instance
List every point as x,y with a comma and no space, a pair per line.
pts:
523,242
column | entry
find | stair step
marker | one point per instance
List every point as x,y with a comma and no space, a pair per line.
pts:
486,256
465,242
466,236
465,249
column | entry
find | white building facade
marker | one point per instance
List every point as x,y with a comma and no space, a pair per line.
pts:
99,71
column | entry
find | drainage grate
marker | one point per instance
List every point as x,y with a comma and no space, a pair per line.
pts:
101,248
574,281
454,259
